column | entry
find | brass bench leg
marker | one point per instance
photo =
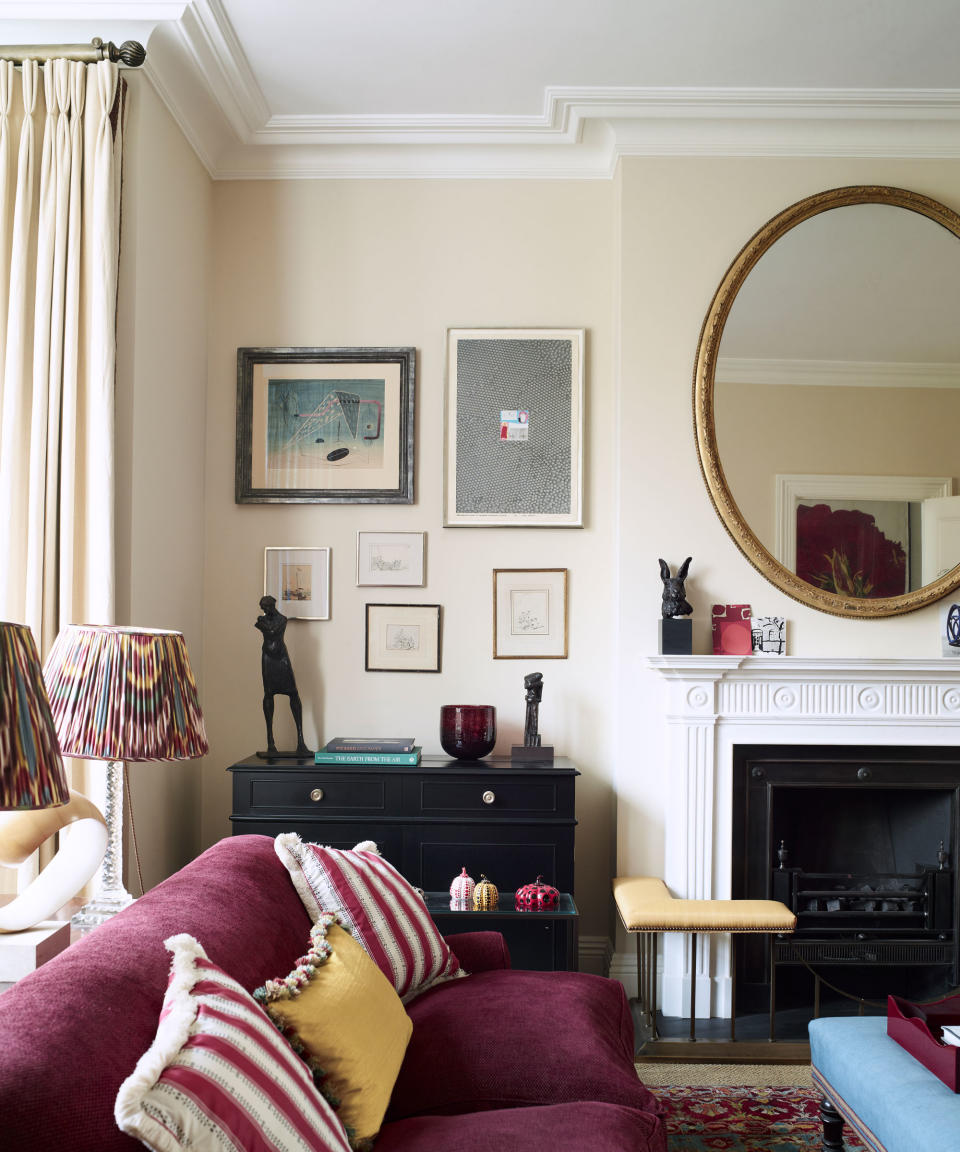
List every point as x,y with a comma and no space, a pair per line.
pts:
733,986
652,970
773,991
693,985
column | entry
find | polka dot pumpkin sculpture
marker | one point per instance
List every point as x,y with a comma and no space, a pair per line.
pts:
485,895
537,897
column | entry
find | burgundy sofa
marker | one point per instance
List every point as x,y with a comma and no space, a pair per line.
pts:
504,1059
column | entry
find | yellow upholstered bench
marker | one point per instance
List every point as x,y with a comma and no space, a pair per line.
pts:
647,908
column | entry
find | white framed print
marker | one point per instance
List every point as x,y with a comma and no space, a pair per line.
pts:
514,428
530,614
390,558
402,638
299,580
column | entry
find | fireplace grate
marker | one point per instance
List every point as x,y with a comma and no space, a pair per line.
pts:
902,952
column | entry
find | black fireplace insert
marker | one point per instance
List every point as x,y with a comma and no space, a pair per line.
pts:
860,842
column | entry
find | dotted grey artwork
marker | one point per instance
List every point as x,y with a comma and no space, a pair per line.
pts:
506,476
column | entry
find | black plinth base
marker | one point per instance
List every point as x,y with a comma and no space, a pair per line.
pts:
302,757
676,636
533,753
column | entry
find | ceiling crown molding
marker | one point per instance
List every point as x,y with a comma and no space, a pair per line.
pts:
836,373
200,71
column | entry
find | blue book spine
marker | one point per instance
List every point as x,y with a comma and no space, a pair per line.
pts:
367,757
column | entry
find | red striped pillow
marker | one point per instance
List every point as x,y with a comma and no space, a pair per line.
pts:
376,905
219,1075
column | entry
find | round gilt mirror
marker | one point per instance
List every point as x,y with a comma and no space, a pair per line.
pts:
827,401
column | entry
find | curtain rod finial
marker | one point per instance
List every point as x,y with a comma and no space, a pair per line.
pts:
130,52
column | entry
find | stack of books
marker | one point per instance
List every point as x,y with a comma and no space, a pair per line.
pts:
369,750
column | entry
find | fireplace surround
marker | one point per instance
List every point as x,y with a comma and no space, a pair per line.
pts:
714,704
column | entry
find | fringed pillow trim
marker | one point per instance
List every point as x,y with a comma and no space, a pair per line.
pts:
290,986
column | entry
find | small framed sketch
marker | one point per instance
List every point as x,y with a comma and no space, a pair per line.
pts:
403,638
390,558
514,428
530,614
299,580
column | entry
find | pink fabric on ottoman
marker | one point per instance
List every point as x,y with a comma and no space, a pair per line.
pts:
485,1046
561,1128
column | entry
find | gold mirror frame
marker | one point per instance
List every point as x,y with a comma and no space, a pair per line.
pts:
703,403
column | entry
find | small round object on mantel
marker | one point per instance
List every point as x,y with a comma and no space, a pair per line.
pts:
462,887
485,895
537,897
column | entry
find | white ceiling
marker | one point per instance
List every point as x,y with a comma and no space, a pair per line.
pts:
553,88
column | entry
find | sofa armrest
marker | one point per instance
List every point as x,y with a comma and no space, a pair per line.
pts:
479,951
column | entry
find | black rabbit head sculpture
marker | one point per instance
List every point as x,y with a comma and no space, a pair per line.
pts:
674,597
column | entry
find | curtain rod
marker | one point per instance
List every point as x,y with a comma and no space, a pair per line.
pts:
130,52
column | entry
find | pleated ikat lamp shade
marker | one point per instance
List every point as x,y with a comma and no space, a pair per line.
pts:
31,770
122,694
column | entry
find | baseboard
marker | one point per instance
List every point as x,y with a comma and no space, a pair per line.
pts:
595,954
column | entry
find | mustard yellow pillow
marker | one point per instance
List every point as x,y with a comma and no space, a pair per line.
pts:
345,1018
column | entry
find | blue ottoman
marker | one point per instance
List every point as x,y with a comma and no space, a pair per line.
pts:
890,1100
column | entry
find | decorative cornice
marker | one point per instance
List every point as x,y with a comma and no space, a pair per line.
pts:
835,373
201,73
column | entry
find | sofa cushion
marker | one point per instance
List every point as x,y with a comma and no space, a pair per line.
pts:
219,1075
344,1017
558,1127
376,905
96,1004
510,1038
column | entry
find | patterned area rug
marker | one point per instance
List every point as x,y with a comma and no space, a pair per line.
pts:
745,1119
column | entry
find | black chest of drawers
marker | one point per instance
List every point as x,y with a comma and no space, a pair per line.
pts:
511,822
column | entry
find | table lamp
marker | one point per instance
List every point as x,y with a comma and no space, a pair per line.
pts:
35,803
120,695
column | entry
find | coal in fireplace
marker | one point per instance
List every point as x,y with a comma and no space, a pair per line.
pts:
860,842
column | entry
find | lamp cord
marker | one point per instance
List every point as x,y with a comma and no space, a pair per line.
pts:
133,827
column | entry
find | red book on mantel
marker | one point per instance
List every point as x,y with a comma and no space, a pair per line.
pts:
917,1028
370,744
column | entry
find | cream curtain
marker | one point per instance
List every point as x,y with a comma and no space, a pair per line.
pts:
60,169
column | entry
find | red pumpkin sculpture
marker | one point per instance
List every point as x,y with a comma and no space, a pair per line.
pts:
537,897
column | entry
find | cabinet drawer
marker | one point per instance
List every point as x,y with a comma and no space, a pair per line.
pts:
319,794
493,796
331,833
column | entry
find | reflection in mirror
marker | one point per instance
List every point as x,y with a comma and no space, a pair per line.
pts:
830,364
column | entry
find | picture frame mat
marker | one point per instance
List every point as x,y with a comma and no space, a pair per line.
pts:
333,478
407,548
572,519
276,563
524,589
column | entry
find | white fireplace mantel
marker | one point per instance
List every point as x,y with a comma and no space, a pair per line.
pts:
716,702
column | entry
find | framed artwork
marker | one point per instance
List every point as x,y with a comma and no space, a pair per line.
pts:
325,425
403,638
299,580
854,536
514,428
390,558
530,614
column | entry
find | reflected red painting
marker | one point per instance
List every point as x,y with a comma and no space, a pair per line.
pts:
841,550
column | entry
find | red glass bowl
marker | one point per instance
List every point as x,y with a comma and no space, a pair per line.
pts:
468,731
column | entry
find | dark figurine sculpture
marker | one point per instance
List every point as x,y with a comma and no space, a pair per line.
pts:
277,671
674,597
533,687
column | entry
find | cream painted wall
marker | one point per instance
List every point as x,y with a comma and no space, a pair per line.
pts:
396,263
161,400
681,223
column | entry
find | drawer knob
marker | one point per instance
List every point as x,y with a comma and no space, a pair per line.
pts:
489,797
316,794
